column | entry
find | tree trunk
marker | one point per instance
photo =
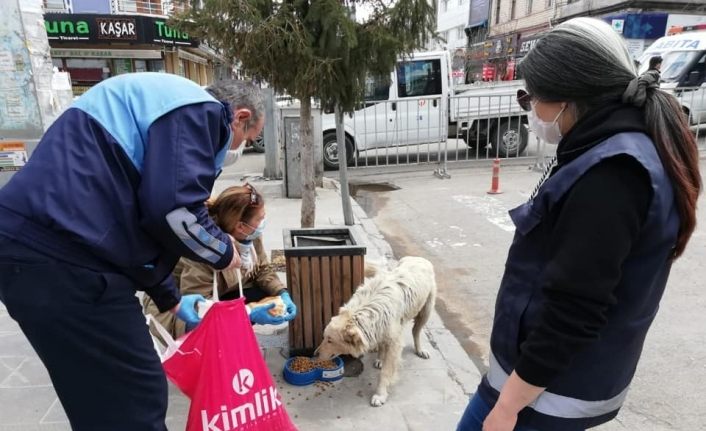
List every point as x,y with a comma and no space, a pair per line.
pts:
343,167
308,211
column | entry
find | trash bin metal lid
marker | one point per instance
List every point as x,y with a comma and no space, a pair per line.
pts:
322,242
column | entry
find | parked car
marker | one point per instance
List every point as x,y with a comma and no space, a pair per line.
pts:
258,144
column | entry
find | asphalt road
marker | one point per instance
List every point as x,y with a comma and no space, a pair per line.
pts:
466,234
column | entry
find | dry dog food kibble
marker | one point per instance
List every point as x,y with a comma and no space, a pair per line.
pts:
302,364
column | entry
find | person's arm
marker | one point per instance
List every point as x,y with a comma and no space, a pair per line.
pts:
177,177
515,396
596,228
264,274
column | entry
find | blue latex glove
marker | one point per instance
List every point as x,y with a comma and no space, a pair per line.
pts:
261,315
187,309
289,304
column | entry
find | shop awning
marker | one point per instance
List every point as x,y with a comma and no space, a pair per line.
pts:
105,53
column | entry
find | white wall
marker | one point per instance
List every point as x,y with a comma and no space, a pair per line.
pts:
529,14
452,18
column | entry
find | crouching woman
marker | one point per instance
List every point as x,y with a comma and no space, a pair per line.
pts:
240,211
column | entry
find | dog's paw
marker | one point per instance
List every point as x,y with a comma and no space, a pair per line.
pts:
378,364
423,354
378,400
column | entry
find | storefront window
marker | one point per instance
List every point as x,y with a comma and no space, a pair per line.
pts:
140,66
86,72
155,66
122,65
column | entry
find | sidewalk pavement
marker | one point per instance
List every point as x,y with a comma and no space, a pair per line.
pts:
429,395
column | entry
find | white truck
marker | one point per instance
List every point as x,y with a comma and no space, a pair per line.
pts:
417,103
683,70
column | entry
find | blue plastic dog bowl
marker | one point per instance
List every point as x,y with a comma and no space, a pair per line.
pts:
304,379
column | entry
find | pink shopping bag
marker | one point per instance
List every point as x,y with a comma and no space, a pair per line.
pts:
220,367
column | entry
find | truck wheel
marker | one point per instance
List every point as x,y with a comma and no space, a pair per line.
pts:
469,137
509,137
331,151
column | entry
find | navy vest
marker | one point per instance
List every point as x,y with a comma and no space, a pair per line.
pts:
593,388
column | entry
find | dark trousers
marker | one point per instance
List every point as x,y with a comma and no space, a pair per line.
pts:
475,414
88,329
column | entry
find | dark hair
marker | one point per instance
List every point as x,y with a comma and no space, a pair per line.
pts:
233,205
654,61
586,63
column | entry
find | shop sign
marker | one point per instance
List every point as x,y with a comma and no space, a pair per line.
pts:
527,43
67,28
101,29
166,35
119,29
618,25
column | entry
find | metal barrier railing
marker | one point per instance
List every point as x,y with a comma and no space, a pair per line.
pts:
398,132
693,101
436,129
480,126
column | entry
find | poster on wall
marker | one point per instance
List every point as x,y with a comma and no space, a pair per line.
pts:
635,47
13,155
19,109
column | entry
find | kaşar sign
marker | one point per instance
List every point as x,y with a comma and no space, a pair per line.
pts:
96,29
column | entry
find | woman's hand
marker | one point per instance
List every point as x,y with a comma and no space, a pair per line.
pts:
289,304
186,309
500,419
261,315
515,395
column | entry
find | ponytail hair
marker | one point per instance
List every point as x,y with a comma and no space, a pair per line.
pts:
585,62
668,127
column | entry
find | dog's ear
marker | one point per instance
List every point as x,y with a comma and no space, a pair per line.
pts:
353,337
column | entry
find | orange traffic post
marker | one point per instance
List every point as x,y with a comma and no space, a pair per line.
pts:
495,182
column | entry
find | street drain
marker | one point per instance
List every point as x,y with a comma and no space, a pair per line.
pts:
366,194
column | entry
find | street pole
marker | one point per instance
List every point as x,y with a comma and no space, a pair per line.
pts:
343,167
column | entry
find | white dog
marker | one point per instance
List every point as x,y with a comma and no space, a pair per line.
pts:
376,314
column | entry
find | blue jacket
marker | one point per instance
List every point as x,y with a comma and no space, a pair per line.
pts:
594,385
118,182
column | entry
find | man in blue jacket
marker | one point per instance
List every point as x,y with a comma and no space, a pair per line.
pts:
111,198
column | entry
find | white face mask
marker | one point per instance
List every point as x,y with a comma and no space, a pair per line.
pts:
548,132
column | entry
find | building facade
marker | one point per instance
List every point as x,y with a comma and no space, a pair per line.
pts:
516,25
96,39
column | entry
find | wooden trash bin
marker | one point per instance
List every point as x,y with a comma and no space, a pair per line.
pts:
324,267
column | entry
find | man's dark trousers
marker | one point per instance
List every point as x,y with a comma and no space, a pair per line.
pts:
88,329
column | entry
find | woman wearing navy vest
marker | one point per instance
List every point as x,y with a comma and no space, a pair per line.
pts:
594,244
111,198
